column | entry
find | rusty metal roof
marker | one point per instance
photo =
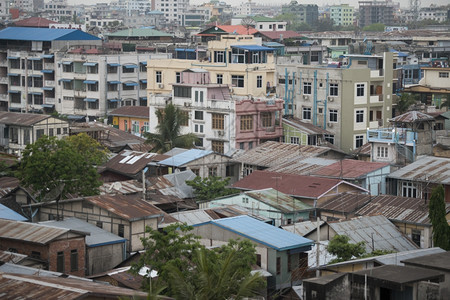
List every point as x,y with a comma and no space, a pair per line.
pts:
304,166
131,111
130,207
15,258
349,169
131,162
21,119
411,117
18,286
304,126
121,187
173,184
8,184
278,200
31,232
376,230
302,228
271,154
404,209
426,169
345,203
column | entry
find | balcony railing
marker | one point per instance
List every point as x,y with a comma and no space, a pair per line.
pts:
386,135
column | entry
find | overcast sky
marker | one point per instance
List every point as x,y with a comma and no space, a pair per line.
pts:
403,3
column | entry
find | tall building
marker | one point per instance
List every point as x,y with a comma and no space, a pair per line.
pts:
371,12
305,13
345,101
342,15
4,9
174,10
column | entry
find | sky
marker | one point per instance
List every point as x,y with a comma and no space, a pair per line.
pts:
403,3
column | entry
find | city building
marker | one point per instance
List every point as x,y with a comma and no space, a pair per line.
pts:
60,10
260,23
4,9
371,12
305,13
174,10
342,15
133,119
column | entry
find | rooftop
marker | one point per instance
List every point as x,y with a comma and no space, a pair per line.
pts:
304,126
302,228
131,111
139,32
9,214
34,22
437,261
278,200
345,203
274,35
349,169
425,169
304,166
21,119
262,233
44,34
173,184
183,158
7,184
412,117
131,163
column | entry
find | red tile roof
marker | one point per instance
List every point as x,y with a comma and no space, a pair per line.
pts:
290,184
274,35
35,22
349,169
132,111
239,29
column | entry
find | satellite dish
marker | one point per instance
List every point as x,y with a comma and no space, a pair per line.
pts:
248,22
216,28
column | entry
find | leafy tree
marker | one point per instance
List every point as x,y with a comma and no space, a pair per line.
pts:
339,245
5,170
168,131
210,187
374,27
441,229
50,165
93,152
405,101
324,25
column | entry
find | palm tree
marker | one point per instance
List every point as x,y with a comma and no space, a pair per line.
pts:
168,131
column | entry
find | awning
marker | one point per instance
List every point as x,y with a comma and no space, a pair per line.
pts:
113,64
114,100
143,98
36,93
90,81
253,48
34,58
143,63
67,62
14,92
184,50
90,64
47,56
143,80
75,117
36,75
47,71
90,100
130,66
48,105
48,88
12,57
114,82
65,80
13,74
131,84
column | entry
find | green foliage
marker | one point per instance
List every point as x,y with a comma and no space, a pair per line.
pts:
325,25
441,229
405,101
190,271
5,170
210,187
168,131
293,22
374,27
339,246
59,167
377,252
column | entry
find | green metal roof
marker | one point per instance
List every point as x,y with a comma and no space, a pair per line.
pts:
263,19
139,32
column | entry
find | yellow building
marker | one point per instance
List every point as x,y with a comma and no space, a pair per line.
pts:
237,60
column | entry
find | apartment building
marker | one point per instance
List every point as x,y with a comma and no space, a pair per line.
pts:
307,13
60,10
238,61
371,12
4,9
342,15
174,10
345,101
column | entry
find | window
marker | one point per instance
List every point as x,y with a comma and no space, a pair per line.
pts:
143,67
135,126
219,78
92,69
360,89
289,262
443,74
36,254
128,86
229,171
198,128
158,77
415,236
312,140
258,260
112,87
359,116
329,138
218,146
409,189
382,152
333,115
219,56
333,89
111,69
212,171
178,77
39,133
306,113
218,121
246,122
359,141
92,87
93,105
60,262
259,81
182,91
99,224
68,85
198,115
295,140
74,260
307,88
242,145
237,56
121,230
266,119
237,81
250,145
196,172
68,67
278,265
128,68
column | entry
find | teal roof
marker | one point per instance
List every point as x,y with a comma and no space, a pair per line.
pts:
139,32
44,34
262,233
185,157
263,19
9,214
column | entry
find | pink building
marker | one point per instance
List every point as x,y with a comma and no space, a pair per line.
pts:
258,121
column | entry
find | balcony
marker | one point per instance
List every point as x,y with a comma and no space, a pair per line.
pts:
376,73
386,135
49,83
49,100
3,97
376,98
3,80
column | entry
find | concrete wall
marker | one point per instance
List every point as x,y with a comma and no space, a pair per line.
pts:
103,258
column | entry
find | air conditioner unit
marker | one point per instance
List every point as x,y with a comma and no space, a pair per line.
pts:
305,97
160,85
330,99
221,133
330,125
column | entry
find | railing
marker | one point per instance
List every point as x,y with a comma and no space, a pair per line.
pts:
376,73
49,83
398,135
3,97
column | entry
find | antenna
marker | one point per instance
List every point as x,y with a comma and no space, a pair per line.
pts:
248,22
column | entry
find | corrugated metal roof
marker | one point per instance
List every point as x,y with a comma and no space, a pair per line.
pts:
14,268
345,203
440,261
426,169
271,154
304,166
139,32
411,117
349,169
263,233
15,258
9,214
128,207
122,187
174,184
304,126
21,119
131,111
30,232
392,275
379,229
404,209
131,162
34,22
290,184
44,34
278,200
181,159
7,184
302,228
96,235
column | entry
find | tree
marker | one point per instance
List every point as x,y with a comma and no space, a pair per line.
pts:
324,25
339,245
441,229
93,152
374,27
210,187
168,134
61,165
405,101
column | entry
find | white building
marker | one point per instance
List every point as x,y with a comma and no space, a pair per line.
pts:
131,6
174,10
4,9
59,10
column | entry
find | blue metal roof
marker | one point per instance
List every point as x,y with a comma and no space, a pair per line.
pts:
262,233
90,100
65,80
253,48
184,50
143,80
90,64
47,71
44,34
13,74
131,83
114,82
143,63
90,81
9,214
130,66
48,88
48,105
47,56
114,64
114,100
185,157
